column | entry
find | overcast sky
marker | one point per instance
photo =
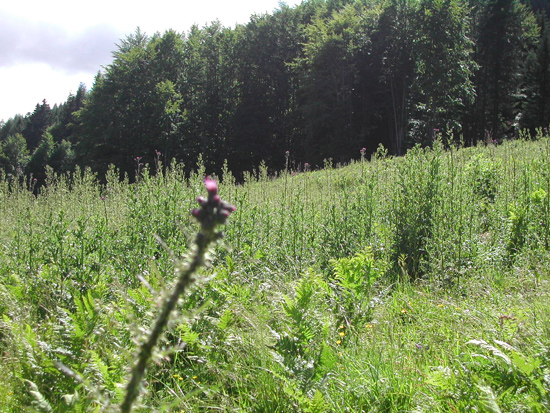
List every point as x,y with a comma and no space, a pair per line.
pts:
48,47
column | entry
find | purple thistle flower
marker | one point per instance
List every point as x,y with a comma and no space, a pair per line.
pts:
211,186
213,210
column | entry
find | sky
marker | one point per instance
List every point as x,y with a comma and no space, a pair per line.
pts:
49,47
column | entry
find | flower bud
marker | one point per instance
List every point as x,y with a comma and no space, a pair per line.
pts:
211,186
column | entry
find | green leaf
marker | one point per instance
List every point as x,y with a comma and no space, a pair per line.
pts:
40,403
495,351
488,400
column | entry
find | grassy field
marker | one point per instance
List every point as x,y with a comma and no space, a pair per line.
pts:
413,284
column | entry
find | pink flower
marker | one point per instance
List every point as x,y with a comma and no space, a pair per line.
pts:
211,186
213,210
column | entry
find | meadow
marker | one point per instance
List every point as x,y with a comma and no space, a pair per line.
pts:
410,284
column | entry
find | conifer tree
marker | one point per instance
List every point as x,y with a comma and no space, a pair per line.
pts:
37,124
536,111
505,31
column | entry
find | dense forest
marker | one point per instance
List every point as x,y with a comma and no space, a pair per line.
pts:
320,80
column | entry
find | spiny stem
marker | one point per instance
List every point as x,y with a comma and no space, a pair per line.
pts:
213,213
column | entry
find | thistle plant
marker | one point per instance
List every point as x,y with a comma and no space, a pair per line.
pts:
212,213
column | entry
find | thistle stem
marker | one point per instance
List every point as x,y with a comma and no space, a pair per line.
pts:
214,212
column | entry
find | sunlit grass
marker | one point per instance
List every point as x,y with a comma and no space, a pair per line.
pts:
284,318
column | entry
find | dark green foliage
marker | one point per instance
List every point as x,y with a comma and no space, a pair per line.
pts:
37,124
536,112
504,32
443,69
66,120
134,107
322,80
264,123
14,155
393,45
62,158
12,126
40,159
333,51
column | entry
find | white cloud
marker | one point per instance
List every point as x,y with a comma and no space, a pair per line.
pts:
50,44
29,84
48,47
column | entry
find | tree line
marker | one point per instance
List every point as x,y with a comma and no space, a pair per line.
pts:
320,80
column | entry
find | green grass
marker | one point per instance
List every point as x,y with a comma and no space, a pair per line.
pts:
415,284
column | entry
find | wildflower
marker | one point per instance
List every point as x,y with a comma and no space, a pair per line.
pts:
211,186
403,311
369,325
440,305
339,342
212,213
363,151
213,210
342,334
195,377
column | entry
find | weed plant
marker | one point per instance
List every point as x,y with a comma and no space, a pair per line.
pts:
414,284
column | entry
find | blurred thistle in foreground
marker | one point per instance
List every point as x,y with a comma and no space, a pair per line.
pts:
213,210
212,213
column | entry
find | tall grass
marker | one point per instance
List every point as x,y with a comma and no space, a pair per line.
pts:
417,283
